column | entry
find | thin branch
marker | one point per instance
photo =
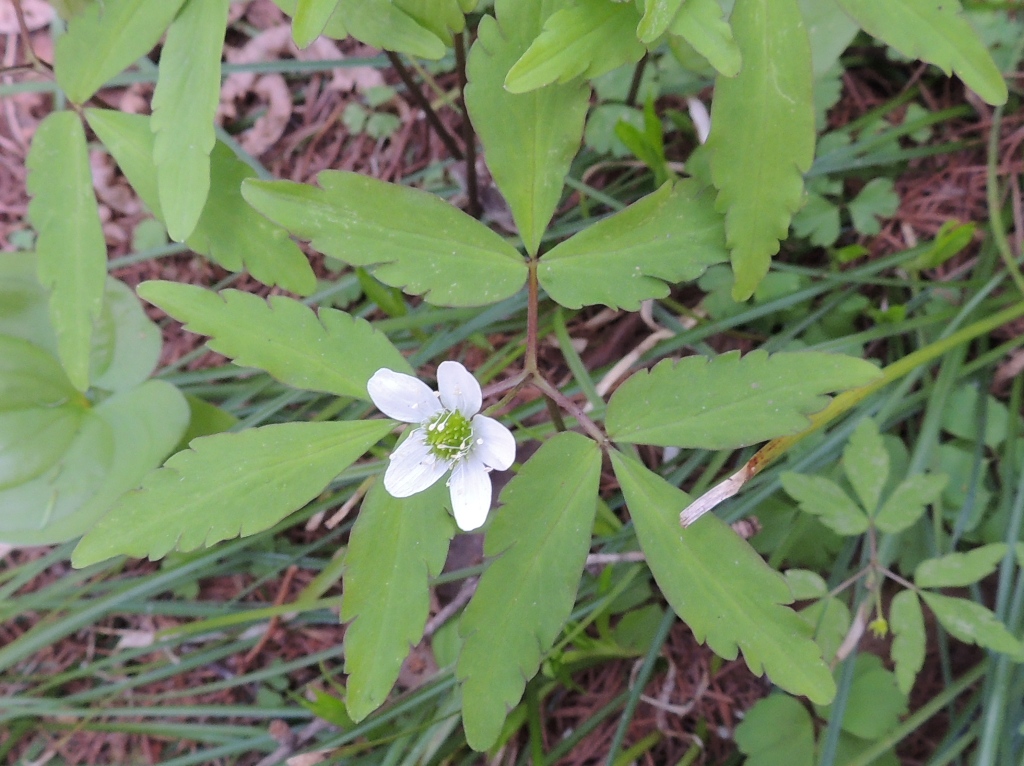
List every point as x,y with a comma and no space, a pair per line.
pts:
474,208
27,39
573,409
424,104
634,86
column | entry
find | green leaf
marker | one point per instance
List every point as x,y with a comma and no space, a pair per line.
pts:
729,401
131,342
907,623
878,199
541,538
441,17
121,440
826,500
382,24
958,569
762,135
700,23
29,508
818,221
874,704
907,502
961,416
777,731
40,412
831,31
829,619
104,39
529,139
415,240
71,247
333,28
395,546
589,38
934,31
229,231
184,108
805,584
228,485
972,623
658,14
734,607
126,345
310,19
669,236
335,352
866,464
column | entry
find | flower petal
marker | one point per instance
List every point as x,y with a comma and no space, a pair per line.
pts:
470,487
413,467
458,389
493,443
402,397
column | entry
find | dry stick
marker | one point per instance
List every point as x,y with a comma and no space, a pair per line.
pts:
282,594
27,39
417,95
474,207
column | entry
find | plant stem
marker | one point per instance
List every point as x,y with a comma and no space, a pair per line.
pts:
532,298
468,136
634,86
572,408
417,95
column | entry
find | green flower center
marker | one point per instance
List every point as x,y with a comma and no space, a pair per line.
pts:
449,435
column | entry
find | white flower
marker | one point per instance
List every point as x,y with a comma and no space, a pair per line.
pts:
450,434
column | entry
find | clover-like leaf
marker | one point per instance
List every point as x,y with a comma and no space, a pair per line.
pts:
777,731
541,538
874,703
333,352
878,199
866,464
530,138
908,501
729,401
739,607
413,239
105,38
669,236
395,546
229,231
956,570
184,107
762,135
71,247
228,485
935,31
825,499
972,623
908,645
589,38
